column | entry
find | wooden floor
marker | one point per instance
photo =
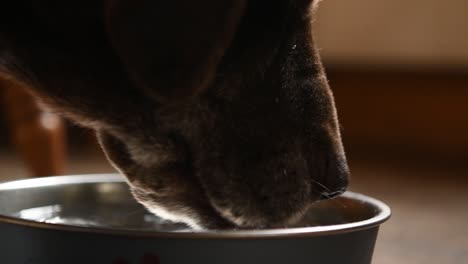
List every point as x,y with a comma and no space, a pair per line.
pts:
430,206
430,212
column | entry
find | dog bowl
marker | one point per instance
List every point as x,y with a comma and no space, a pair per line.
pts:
94,219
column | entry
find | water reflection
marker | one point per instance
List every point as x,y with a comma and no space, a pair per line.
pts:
137,219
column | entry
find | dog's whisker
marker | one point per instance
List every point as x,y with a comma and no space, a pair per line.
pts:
326,195
333,200
321,185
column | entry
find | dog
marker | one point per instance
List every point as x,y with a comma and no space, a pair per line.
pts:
218,113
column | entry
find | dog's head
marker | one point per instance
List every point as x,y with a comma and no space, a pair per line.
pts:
218,112
246,131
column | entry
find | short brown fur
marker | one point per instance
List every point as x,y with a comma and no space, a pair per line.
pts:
218,112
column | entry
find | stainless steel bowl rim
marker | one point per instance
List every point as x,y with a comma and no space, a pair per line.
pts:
383,214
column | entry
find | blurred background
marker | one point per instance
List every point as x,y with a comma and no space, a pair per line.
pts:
399,72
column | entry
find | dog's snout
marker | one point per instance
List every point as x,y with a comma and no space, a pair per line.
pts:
335,180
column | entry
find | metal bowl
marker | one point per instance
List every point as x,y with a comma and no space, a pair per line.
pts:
94,219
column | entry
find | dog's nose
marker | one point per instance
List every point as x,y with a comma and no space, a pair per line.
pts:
336,178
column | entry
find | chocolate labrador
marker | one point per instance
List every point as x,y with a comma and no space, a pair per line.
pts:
217,112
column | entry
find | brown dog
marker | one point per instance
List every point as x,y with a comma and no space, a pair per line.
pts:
218,112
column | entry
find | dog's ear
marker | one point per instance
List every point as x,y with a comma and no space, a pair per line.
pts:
171,48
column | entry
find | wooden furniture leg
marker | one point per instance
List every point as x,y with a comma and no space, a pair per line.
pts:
38,136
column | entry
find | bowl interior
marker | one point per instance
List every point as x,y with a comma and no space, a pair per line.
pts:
104,201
